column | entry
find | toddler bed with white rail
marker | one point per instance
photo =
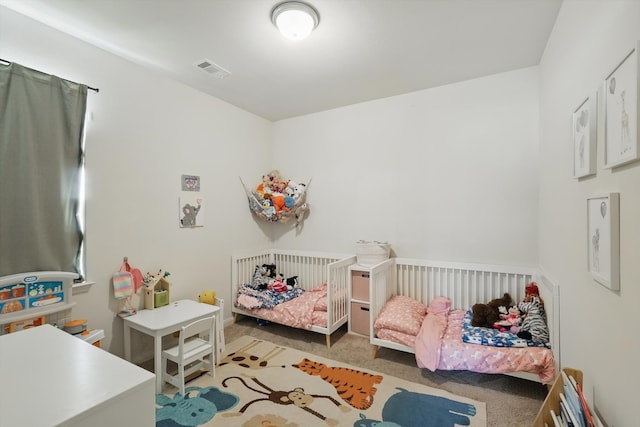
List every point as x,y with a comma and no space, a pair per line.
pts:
322,306
446,291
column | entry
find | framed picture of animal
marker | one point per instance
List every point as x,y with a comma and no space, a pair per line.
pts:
621,94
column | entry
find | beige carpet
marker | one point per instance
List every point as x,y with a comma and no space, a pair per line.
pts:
261,384
510,401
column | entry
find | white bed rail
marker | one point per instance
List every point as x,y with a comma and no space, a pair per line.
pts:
463,283
383,285
312,268
338,282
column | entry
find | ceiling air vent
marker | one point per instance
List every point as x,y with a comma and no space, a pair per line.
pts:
214,69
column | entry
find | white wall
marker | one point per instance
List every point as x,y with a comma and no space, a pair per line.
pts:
145,131
448,173
598,333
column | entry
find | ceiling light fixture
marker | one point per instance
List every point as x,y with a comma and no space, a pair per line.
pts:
295,19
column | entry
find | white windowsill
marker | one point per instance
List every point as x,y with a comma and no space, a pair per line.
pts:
82,287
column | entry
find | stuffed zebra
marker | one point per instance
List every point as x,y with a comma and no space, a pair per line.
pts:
260,278
534,324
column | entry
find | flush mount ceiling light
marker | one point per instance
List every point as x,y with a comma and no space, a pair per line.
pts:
295,20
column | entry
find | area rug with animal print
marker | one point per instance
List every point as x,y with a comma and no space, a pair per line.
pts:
260,384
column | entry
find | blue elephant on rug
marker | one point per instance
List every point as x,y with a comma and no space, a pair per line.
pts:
196,407
410,409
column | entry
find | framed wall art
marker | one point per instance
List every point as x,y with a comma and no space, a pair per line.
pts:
191,211
584,137
603,239
621,111
190,182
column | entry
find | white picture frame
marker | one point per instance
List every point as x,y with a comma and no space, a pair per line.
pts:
603,239
584,137
620,99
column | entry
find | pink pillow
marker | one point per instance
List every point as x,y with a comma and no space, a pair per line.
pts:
402,314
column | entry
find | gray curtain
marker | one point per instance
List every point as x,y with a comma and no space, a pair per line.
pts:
41,131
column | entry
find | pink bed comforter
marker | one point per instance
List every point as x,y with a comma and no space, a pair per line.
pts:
303,312
439,345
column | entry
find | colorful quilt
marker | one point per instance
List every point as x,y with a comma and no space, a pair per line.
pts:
250,298
492,337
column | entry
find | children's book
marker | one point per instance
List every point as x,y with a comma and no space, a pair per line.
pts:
572,420
585,408
556,420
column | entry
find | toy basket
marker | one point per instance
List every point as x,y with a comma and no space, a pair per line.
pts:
372,252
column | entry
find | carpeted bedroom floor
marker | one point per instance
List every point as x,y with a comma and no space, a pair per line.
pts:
510,401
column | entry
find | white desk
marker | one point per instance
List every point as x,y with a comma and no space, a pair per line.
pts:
50,378
164,321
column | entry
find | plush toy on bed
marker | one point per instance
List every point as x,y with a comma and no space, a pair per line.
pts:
262,276
534,324
280,284
531,290
277,285
291,282
485,315
271,270
509,321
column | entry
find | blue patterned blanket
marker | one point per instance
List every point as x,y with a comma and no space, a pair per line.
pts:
249,298
492,337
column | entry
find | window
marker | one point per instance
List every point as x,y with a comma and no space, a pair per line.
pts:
41,172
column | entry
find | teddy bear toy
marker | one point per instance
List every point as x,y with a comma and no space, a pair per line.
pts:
485,315
207,297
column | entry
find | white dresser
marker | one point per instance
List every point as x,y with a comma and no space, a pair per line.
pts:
50,378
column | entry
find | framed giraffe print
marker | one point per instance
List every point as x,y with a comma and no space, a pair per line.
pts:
621,93
603,239
584,138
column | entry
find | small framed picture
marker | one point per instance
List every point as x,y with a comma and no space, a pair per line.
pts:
584,137
190,183
191,211
621,111
603,239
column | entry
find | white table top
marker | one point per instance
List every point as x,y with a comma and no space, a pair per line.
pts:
170,316
49,377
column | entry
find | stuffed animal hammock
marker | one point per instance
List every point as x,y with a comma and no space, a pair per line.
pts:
278,200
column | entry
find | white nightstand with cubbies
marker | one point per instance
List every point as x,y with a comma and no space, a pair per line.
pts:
359,302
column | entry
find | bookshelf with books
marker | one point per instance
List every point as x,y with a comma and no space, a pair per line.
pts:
565,405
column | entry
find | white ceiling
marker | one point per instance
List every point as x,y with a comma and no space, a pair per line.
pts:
362,49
